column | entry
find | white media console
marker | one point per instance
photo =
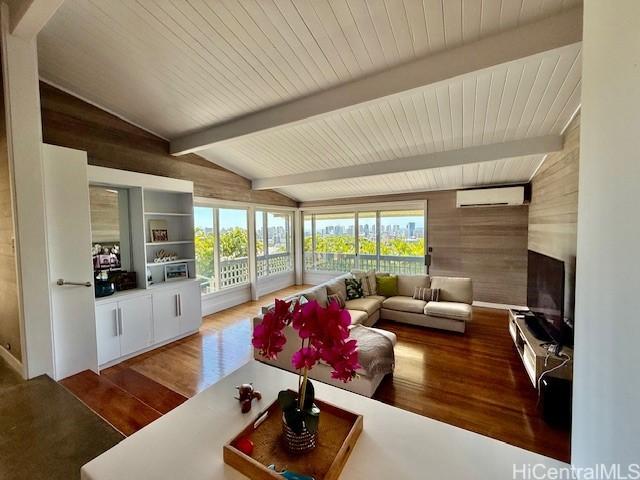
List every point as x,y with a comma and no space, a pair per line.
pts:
534,353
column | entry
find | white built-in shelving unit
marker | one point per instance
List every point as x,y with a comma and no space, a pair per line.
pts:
176,209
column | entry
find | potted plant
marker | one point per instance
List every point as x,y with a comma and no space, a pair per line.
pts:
324,336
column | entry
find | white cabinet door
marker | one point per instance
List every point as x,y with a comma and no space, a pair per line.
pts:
107,332
166,317
190,303
136,324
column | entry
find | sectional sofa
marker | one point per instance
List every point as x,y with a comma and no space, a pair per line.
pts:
451,312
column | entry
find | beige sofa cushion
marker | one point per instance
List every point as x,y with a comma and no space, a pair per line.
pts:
337,285
453,289
452,310
319,294
404,304
358,317
408,283
365,304
368,280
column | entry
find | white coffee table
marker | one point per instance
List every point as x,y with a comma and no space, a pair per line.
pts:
186,444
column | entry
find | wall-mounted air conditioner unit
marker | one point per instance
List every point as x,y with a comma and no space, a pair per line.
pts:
490,197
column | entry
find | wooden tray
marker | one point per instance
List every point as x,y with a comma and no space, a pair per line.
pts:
338,432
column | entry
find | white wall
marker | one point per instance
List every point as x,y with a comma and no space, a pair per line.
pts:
24,139
606,421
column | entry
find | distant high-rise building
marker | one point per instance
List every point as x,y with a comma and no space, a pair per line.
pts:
412,229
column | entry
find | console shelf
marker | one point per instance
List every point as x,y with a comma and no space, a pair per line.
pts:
534,353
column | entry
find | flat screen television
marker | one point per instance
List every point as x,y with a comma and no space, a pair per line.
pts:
545,296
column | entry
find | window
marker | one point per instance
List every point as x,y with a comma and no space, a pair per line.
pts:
205,240
234,247
274,252
222,247
335,242
402,246
385,240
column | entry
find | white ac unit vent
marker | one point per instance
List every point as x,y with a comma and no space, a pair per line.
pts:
490,197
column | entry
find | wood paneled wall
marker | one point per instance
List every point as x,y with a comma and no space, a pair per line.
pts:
111,142
9,307
488,245
553,213
105,215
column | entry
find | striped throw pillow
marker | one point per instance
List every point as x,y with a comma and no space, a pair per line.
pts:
427,294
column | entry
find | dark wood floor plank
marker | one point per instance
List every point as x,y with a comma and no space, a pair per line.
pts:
143,388
121,409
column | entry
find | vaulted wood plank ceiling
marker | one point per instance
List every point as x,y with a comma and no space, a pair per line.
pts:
178,66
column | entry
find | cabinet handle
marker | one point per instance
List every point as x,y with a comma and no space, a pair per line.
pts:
120,320
116,321
177,306
180,304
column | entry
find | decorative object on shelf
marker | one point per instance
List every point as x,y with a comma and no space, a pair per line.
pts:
149,276
125,281
324,334
177,271
105,257
103,288
246,394
159,231
163,256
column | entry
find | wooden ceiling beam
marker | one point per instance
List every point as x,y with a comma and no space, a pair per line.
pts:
476,154
527,40
28,17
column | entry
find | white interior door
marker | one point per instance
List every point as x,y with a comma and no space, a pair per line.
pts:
69,244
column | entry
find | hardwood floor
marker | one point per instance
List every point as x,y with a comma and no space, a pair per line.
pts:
474,381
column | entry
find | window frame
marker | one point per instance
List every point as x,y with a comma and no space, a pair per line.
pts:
356,209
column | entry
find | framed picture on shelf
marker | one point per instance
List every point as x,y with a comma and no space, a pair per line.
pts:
159,231
177,271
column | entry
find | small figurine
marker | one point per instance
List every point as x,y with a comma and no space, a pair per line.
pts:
246,394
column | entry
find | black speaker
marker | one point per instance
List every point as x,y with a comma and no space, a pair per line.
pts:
555,401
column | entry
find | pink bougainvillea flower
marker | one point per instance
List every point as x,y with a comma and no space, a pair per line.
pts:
305,319
268,337
305,357
325,330
343,358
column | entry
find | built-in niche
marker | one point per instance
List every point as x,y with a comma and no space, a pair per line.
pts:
110,230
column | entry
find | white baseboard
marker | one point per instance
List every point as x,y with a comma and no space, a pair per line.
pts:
224,299
12,361
275,282
499,306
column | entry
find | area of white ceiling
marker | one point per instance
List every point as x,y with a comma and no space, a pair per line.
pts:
527,98
177,66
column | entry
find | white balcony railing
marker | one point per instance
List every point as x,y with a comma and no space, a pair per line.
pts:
236,271
273,264
340,262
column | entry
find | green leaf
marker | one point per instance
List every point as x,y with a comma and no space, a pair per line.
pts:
312,418
287,400
309,396
295,419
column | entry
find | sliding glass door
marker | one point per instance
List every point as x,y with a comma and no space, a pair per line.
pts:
222,247
389,240
274,242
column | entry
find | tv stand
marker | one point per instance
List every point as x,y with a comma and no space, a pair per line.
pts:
533,351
